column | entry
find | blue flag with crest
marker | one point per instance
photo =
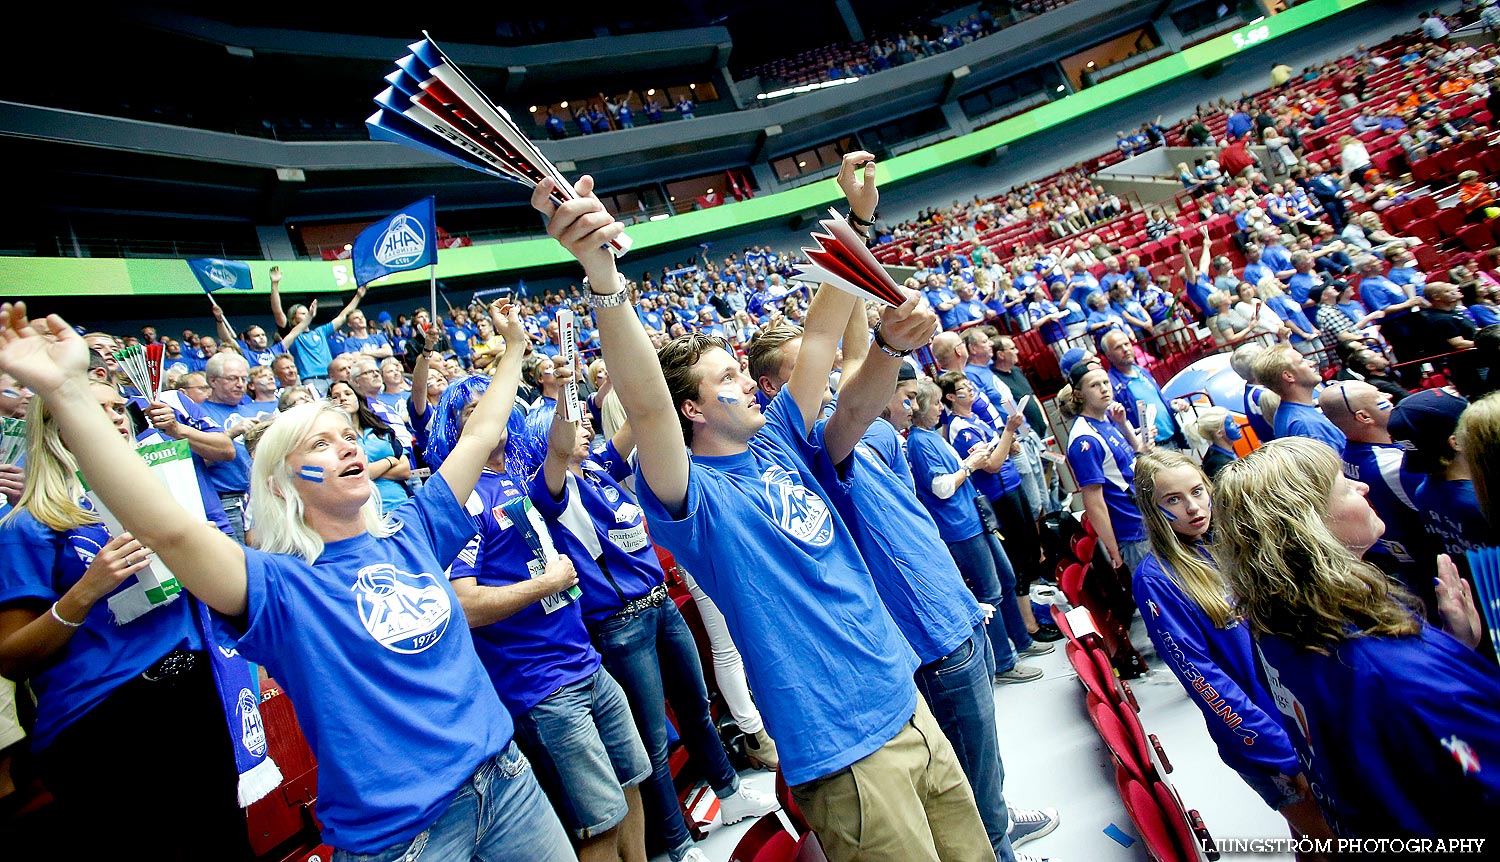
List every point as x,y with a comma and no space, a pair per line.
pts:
406,239
215,274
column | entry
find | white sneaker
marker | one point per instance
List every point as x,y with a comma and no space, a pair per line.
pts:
696,855
746,803
1027,857
1027,824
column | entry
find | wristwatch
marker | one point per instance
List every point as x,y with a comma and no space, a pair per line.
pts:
608,300
886,348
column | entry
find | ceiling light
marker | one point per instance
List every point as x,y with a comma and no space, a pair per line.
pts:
651,92
533,109
563,105
802,164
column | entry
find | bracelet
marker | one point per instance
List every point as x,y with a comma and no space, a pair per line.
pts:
57,616
859,221
886,348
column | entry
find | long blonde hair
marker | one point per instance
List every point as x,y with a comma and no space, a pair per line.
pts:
1204,429
1181,560
280,519
1291,577
53,493
1479,439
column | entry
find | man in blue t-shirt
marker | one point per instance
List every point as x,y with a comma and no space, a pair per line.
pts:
832,674
1134,387
1294,378
312,350
229,410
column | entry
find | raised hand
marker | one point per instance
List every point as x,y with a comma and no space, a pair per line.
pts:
857,180
1115,412
582,225
506,318
275,275
41,354
909,325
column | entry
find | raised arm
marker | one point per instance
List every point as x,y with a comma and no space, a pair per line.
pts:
338,322
301,327
417,404
583,227
52,359
828,315
226,335
277,313
855,343
486,424
562,439
866,392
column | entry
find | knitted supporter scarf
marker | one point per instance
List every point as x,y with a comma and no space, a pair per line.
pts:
237,687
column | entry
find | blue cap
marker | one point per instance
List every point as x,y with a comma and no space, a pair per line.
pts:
385,317
1422,424
1070,359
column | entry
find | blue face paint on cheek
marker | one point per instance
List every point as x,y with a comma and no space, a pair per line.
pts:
311,474
1168,513
729,399
1232,429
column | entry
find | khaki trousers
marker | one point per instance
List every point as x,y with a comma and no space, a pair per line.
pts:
907,802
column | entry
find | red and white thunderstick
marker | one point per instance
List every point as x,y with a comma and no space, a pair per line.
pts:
567,354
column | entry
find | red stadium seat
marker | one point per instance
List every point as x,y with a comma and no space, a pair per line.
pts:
810,849
1083,548
1476,237
767,841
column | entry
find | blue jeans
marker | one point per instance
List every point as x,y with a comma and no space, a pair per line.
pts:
498,815
959,690
582,741
654,658
985,566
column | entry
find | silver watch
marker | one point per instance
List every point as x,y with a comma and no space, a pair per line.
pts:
608,300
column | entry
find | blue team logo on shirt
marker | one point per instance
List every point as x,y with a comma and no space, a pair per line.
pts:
800,512
405,613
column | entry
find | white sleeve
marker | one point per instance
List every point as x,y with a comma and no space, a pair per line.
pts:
945,486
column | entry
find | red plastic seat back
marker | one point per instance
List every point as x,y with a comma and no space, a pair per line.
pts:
767,841
810,849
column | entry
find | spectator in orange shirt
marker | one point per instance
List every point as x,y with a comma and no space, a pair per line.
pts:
1474,197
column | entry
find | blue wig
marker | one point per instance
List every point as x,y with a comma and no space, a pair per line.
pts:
444,432
530,445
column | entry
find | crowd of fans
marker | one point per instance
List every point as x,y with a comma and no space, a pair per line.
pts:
876,54
858,528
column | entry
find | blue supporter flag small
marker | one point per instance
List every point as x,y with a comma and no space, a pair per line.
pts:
214,274
406,239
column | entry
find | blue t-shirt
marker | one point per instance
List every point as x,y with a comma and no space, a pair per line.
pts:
1450,512
1393,493
357,344
913,571
377,446
1198,292
1306,420
531,653
1396,734
1255,415
41,564
594,520
371,645
1288,310
1377,292
232,477
758,534
931,456
1217,667
1484,315
459,337
1277,258
257,358
969,432
964,312
395,402
312,351
1129,389
1100,455
1305,287
1052,331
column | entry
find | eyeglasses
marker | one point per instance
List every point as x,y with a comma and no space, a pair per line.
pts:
369,372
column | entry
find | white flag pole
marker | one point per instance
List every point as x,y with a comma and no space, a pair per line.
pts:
432,271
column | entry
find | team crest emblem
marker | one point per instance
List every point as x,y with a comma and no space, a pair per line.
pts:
405,613
221,275
403,242
611,494
252,731
801,513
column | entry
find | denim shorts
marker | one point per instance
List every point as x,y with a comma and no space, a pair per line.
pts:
583,737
